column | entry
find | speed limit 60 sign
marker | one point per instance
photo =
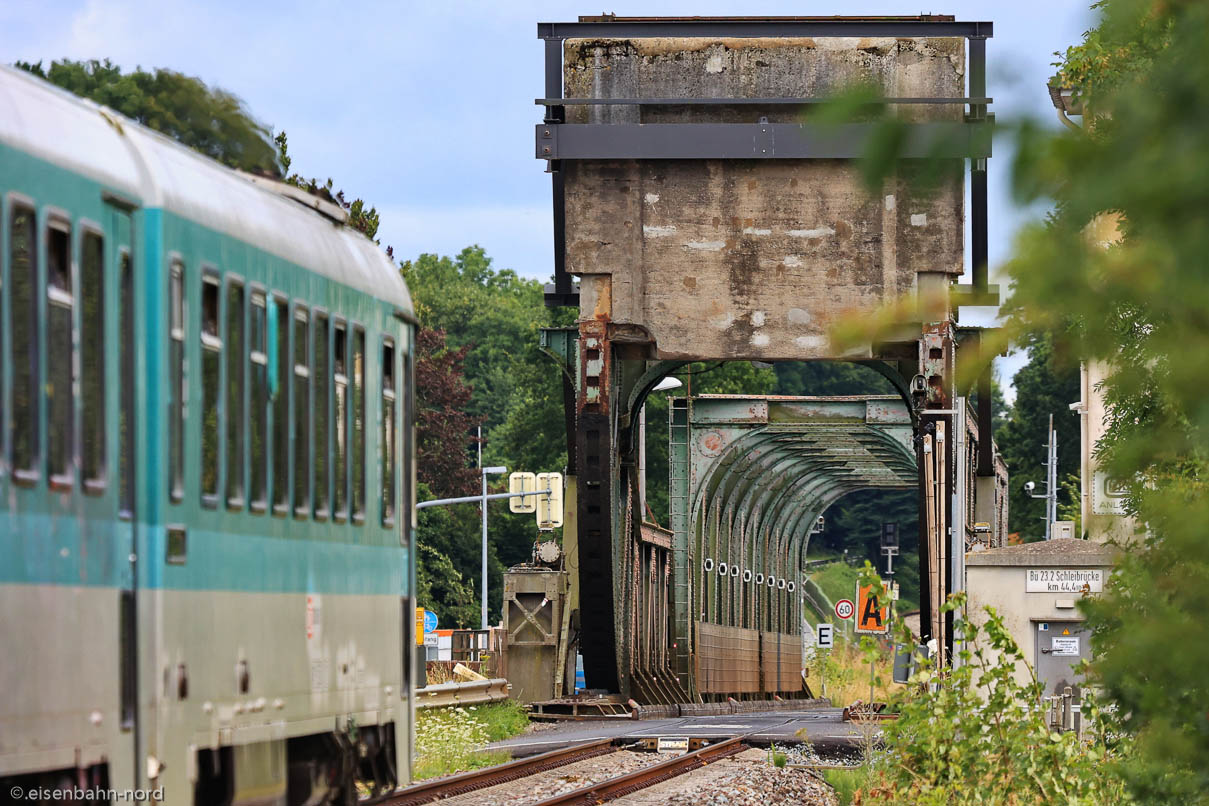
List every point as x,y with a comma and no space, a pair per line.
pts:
844,608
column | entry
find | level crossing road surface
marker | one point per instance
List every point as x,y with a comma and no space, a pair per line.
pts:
824,727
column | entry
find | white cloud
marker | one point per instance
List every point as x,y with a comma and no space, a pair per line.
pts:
426,109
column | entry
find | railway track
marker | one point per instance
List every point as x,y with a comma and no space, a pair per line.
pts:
622,785
600,792
441,788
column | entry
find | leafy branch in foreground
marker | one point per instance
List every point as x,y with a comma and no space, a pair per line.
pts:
1118,276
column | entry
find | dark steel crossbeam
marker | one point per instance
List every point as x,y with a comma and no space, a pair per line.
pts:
742,101
738,27
622,141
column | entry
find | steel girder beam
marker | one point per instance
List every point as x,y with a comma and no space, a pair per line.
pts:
643,670
596,479
613,27
753,141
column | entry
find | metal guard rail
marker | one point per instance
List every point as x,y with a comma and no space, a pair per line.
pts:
474,692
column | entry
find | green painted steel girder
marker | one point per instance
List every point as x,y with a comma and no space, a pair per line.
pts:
760,470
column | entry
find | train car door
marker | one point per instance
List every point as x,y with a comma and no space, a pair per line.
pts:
125,428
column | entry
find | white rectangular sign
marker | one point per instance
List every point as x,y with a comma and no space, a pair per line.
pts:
1065,647
671,744
1064,580
826,635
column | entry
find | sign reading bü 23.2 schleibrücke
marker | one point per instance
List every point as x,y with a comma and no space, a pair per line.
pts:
1064,580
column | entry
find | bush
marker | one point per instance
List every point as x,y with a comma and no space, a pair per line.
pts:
974,734
450,740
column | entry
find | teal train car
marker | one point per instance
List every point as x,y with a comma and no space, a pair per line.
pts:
206,474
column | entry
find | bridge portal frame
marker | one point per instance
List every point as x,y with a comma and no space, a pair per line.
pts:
603,381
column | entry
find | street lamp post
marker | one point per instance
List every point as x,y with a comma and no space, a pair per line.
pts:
1051,481
666,385
482,500
483,473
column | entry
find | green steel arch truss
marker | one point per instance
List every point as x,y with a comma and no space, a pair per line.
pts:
749,477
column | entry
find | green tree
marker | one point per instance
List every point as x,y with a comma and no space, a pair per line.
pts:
829,378
1046,385
972,734
210,120
854,525
1117,275
1001,412
441,585
1140,306
492,318
494,312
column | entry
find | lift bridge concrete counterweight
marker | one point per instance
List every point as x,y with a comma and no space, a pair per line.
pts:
707,218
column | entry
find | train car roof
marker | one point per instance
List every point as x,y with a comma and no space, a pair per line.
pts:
42,120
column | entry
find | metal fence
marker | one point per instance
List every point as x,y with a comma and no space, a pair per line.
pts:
1063,711
475,692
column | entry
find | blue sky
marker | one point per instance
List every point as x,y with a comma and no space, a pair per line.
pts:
426,109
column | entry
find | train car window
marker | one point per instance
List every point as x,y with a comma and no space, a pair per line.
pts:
358,463
127,423
23,271
258,426
4,357
176,380
211,350
281,412
340,420
407,474
60,307
92,361
236,361
127,659
388,432
302,414
322,392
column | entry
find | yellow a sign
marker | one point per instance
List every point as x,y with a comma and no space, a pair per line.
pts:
871,615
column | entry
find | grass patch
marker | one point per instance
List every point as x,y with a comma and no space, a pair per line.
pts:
450,740
837,581
846,782
504,719
842,673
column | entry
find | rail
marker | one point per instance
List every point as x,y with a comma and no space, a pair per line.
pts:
474,692
648,776
474,780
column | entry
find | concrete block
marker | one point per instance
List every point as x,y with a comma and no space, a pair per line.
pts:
753,259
